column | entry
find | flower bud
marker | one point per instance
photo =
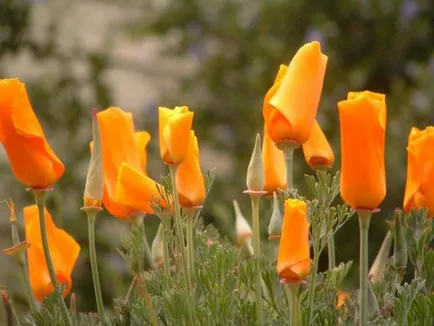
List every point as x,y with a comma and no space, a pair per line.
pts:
242,227
255,171
275,226
157,249
376,271
400,247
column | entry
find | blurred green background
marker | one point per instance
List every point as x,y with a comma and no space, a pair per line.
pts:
219,57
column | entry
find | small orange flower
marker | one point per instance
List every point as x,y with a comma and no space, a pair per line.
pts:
317,150
120,144
419,191
189,178
290,106
136,191
32,160
274,165
363,127
341,298
174,129
293,262
64,252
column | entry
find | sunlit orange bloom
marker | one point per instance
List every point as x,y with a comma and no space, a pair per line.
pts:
317,150
174,130
363,128
293,262
189,178
274,165
419,190
32,160
341,298
291,104
64,252
136,191
120,144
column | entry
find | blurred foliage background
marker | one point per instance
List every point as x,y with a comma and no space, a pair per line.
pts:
219,57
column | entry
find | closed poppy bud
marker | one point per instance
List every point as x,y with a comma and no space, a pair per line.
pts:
64,252
293,262
119,144
174,129
136,191
32,160
255,179
363,127
290,106
419,191
273,160
317,150
189,178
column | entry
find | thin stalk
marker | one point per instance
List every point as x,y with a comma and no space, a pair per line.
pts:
30,298
150,307
91,217
165,249
364,220
312,284
40,202
180,240
131,292
190,244
331,252
295,303
257,256
289,154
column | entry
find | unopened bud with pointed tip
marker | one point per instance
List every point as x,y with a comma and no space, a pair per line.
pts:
242,227
157,249
377,269
255,171
93,191
400,256
275,226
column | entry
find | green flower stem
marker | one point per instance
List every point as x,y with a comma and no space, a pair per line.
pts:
364,220
166,257
257,255
331,252
40,202
190,213
180,240
312,283
91,217
149,305
289,154
131,292
295,303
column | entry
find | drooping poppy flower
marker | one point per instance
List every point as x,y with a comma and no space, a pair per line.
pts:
32,160
363,132
174,130
291,104
64,252
317,150
419,191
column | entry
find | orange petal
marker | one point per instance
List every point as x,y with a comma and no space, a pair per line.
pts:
32,160
274,164
293,262
298,96
363,177
190,181
136,190
142,139
317,150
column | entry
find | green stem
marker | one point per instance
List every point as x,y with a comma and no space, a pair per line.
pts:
312,284
331,252
289,154
91,217
139,220
190,242
32,301
165,248
257,256
150,307
130,293
180,240
295,303
40,202
364,220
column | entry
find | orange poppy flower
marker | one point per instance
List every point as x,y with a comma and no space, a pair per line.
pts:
291,104
32,160
317,150
120,144
293,262
363,128
341,298
190,181
174,130
419,191
274,165
64,252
